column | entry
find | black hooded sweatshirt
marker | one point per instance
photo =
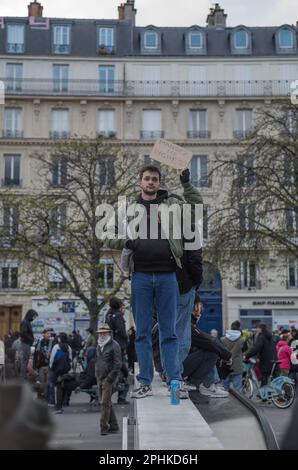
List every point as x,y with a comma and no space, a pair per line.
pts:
152,255
26,332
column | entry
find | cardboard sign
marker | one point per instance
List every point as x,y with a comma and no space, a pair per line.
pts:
171,154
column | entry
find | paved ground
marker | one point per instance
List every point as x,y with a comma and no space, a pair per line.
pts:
279,419
78,427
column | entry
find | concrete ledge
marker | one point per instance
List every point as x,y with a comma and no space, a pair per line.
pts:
162,426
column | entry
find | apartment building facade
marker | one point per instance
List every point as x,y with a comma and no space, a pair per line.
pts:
196,86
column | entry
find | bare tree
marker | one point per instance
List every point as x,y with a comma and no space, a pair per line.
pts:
51,228
258,206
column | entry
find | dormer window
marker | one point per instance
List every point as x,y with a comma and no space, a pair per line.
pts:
286,40
195,40
151,40
105,39
61,39
241,39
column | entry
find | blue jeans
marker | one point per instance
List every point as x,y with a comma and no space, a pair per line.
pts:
183,325
235,379
212,377
160,289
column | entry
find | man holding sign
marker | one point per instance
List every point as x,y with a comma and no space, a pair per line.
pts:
156,254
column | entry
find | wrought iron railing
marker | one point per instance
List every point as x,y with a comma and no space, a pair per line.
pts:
131,88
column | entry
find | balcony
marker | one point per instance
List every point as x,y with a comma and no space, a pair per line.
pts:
242,134
105,50
142,88
56,135
61,48
198,134
106,134
15,48
11,183
151,135
12,134
257,285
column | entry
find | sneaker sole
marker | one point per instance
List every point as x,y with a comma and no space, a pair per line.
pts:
144,396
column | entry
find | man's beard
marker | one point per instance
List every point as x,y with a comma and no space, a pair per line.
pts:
150,192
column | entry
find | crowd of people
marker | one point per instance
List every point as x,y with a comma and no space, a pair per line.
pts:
166,307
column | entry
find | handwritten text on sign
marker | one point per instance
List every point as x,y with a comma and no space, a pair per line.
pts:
171,154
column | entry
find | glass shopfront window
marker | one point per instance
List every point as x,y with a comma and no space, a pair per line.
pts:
250,318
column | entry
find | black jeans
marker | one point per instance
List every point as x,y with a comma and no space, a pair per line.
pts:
197,366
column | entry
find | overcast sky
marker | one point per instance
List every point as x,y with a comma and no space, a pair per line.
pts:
166,12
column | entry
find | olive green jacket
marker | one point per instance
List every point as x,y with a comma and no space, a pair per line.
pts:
190,196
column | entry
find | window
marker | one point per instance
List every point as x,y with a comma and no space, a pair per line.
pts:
151,40
60,124
106,169
198,124
195,40
15,38
243,123
14,76
12,170
249,275
290,171
56,275
10,222
59,172
106,79
247,220
106,38
13,123
9,275
292,222
57,225
205,222
60,77
199,171
286,39
106,123
241,39
151,124
247,171
106,274
251,318
293,273
61,39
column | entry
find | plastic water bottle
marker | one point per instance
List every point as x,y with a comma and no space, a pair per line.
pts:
175,387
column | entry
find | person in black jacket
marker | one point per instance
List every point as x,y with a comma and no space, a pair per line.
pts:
189,279
27,340
202,358
265,349
107,368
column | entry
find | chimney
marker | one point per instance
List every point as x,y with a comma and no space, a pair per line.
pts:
217,17
35,9
127,12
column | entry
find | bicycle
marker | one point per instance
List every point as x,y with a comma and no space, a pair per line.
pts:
279,390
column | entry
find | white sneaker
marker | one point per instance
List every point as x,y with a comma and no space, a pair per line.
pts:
213,391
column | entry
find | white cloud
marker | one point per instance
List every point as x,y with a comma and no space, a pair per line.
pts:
166,12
